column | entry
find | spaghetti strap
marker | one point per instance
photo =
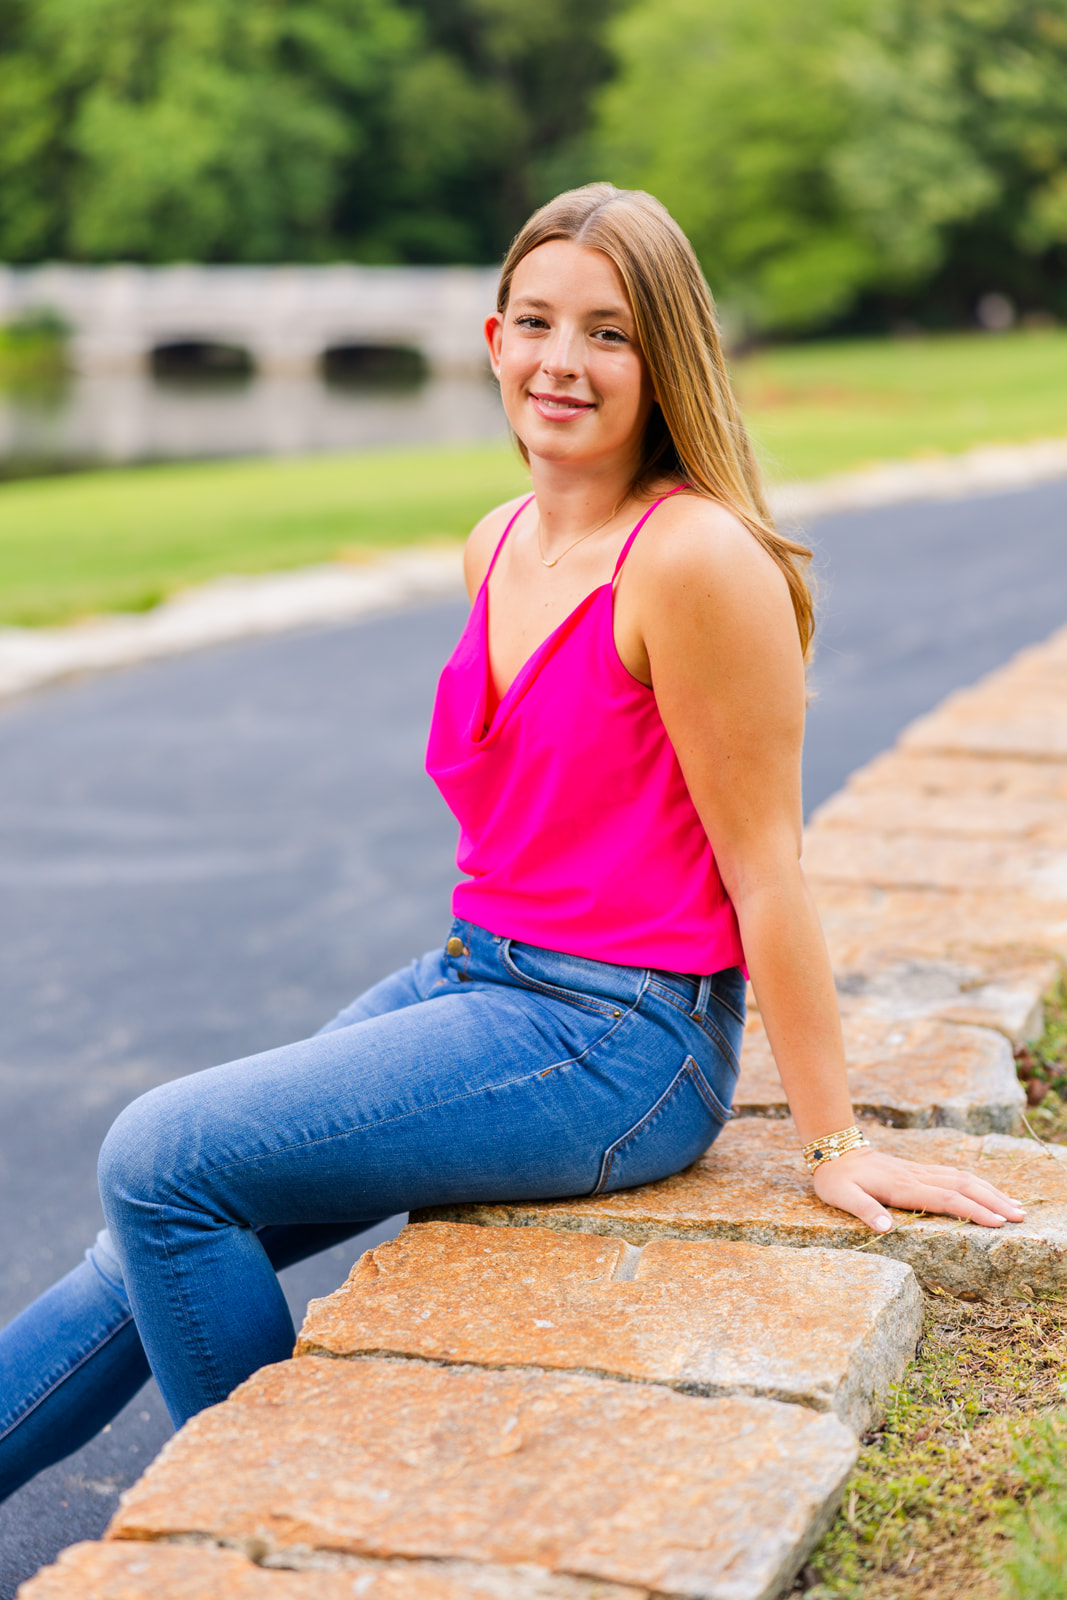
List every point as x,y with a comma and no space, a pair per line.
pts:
625,551
529,499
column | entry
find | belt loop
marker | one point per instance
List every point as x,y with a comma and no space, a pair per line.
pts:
700,1010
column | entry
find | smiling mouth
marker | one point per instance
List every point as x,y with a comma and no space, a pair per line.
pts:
562,402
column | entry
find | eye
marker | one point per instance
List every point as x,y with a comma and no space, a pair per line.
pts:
528,320
611,336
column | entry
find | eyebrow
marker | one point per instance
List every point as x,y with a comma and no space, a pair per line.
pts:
617,312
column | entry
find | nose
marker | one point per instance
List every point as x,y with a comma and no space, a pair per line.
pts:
561,357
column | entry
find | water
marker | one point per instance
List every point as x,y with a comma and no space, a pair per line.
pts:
114,420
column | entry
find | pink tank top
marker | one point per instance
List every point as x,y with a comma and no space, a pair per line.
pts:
576,829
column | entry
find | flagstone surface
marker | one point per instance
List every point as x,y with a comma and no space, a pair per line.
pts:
161,1571
914,860
865,919
917,1073
919,775
622,1482
1003,992
752,1185
816,1327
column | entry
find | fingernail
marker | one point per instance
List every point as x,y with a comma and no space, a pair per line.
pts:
882,1224
998,1217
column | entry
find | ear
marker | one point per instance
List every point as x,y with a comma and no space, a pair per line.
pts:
494,332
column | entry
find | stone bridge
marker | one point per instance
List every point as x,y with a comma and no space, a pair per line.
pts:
286,318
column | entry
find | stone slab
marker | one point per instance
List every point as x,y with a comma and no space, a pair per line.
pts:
913,860
1019,720
626,1483
752,1185
817,1327
990,990
862,920
967,777
1040,819
160,1571
921,1073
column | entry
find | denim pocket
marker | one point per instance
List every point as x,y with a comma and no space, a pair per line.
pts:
681,1125
542,983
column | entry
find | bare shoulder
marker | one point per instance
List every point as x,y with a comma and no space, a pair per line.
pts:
692,538
697,560
483,540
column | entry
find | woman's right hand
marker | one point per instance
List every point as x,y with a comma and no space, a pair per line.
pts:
864,1182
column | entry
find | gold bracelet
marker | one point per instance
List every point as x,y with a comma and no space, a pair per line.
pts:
833,1145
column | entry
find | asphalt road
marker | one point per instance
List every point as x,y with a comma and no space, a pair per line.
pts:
208,856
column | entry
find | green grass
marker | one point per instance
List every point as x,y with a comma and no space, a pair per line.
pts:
1042,1068
955,1492
821,408
961,1493
125,538
1036,1564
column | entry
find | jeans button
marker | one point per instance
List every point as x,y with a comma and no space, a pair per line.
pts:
456,947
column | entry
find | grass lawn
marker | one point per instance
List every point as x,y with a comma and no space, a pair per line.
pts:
125,538
821,408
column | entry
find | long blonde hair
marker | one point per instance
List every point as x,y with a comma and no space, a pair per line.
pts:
695,433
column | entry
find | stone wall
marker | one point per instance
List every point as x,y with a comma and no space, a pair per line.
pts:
659,1392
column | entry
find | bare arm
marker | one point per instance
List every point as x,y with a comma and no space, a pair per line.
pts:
725,664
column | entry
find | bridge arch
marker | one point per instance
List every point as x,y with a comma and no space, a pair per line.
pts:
192,360
359,364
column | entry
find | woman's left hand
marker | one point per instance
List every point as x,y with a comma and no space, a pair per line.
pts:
866,1181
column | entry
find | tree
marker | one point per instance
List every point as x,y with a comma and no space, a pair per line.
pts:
955,166
488,123
730,111
213,129
264,130
905,154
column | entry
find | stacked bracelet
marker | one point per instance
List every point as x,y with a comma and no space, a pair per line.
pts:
834,1145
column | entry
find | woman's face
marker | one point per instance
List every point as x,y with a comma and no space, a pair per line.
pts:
574,383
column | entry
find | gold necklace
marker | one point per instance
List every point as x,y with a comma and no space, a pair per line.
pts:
616,508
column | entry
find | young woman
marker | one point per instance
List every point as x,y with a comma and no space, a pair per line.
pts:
618,732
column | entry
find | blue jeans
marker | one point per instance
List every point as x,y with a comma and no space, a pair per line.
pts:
500,1072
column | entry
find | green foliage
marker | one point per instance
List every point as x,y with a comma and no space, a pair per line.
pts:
1042,1066
913,150
491,121
262,130
1036,1569
730,111
201,129
33,352
844,158
970,1433
956,163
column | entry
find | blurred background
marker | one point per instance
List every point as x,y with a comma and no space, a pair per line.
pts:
245,250
877,190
